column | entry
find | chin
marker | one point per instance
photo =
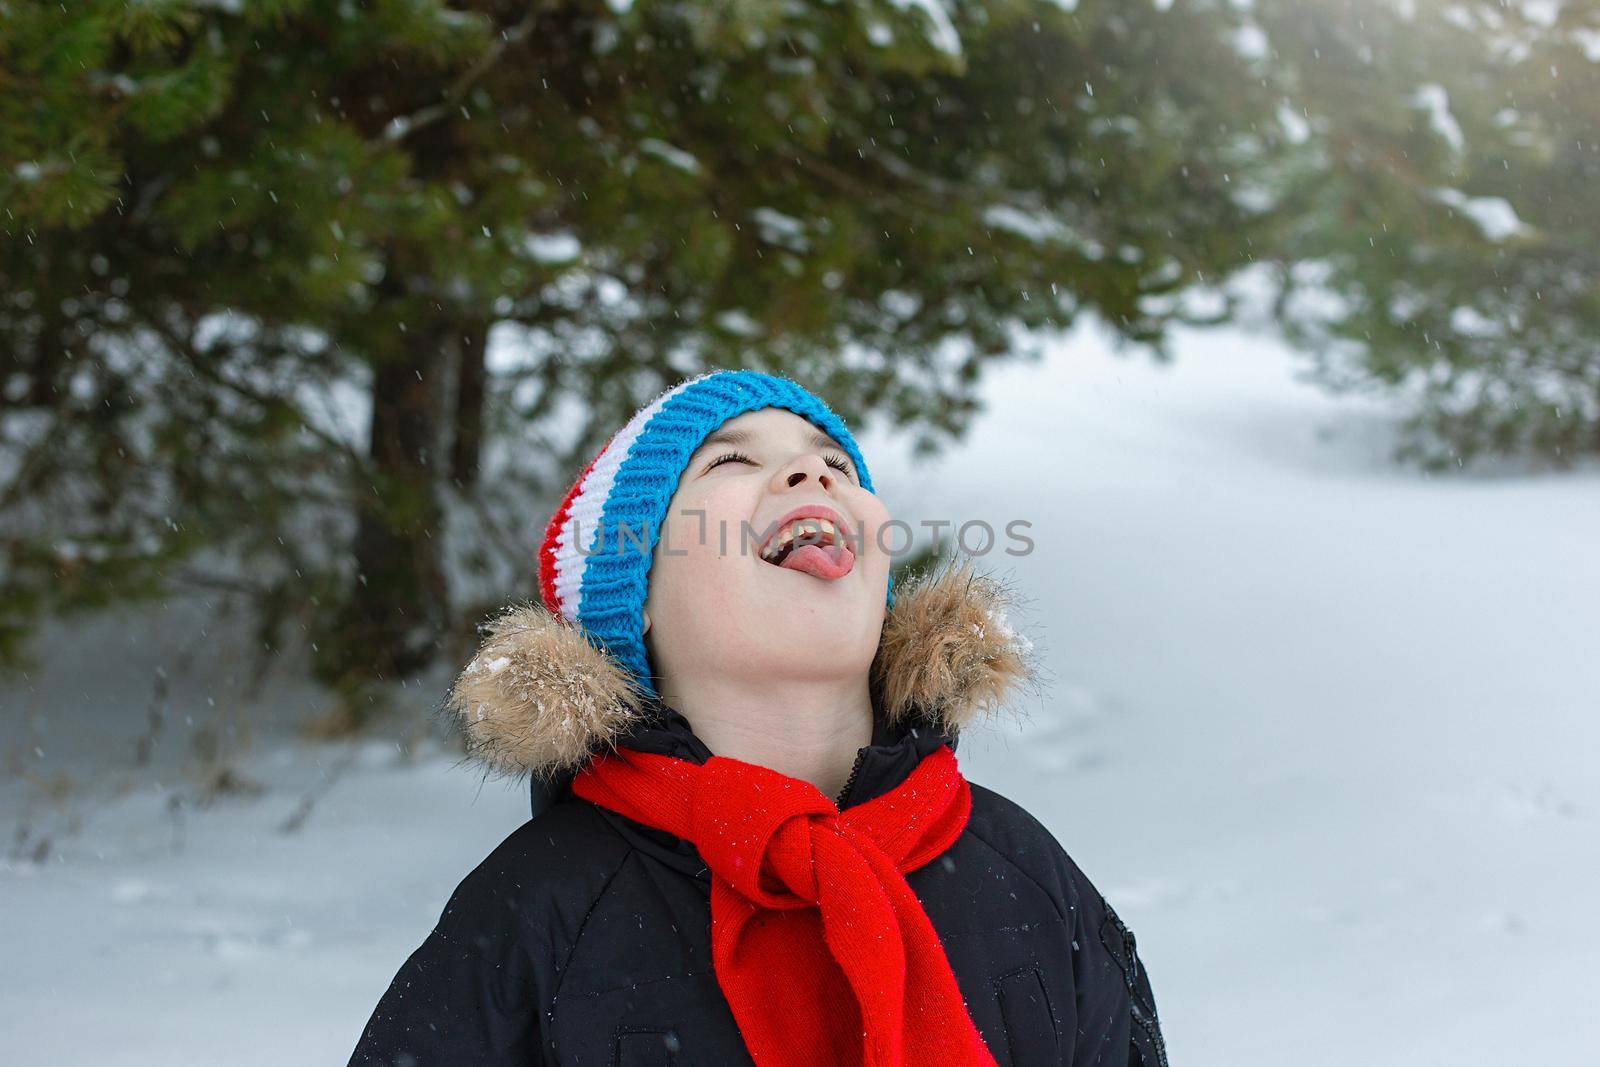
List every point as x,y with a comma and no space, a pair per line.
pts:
808,603
813,643
787,616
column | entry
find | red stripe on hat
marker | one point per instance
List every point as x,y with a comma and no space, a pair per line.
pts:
547,547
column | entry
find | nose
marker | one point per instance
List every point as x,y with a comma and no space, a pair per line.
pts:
804,468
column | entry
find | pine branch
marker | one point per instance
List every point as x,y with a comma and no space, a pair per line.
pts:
202,364
402,126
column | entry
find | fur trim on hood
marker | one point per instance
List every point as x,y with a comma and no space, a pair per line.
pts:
539,698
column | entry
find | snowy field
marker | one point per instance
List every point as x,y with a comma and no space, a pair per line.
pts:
1322,729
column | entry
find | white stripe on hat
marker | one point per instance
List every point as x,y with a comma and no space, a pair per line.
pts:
589,504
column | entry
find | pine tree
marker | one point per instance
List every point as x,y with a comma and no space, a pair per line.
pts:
1437,230
256,250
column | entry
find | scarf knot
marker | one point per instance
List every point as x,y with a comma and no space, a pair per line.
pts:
820,946
765,849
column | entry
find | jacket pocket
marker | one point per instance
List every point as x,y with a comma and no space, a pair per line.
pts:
1032,1039
654,1047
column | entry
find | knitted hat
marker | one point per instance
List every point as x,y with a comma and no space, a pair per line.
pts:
628,486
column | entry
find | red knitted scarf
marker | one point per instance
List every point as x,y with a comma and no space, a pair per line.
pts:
820,947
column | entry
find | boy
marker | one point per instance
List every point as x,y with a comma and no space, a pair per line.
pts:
757,846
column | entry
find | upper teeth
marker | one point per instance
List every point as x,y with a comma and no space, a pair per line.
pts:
809,527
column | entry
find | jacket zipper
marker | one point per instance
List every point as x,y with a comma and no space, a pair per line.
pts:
861,757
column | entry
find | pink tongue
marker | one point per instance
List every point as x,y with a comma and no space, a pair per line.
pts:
823,561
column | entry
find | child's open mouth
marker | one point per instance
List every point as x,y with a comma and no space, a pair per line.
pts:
811,544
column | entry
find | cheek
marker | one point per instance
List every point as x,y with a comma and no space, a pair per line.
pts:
878,539
704,526
697,555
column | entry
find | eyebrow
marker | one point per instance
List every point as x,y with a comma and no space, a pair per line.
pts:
816,439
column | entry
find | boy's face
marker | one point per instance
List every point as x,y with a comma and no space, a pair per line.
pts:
716,605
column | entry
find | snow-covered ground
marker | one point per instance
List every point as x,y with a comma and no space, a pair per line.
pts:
1321,728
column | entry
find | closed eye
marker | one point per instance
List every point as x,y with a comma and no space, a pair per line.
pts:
839,463
738,457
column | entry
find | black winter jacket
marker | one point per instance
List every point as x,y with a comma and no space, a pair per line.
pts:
584,938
